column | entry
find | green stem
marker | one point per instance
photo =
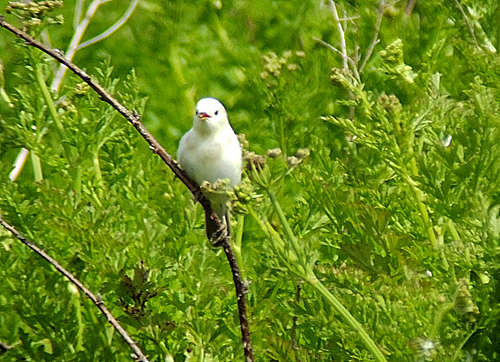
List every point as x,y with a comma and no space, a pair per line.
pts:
286,225
462,344
419,196
437,321
453,230
75,298
302,268
347,317
282,134
77,185
37,167
98,175
53,112
5,97
286,257
237,244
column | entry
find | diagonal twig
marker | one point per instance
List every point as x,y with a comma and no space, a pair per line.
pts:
375,40
331,47
132,117
467,22
155,146
113,28
97,301
241,290
80,28
4,347
341,33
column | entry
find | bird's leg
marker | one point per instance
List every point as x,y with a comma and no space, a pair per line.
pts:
220,234
228,224
197,195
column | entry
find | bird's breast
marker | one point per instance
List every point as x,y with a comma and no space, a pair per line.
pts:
212,158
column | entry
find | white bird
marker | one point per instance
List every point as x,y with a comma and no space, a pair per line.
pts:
210,151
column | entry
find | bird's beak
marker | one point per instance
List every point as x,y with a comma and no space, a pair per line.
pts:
204,115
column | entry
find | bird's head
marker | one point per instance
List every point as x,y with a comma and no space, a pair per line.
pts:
210,115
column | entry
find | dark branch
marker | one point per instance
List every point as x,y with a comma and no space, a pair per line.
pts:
97,301
375,40
240,296
132,117
155,146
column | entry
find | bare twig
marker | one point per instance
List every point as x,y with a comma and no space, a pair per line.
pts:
343,53
469,25
132,117
19,164
341,33
375,40
410,6
350,18
97,301
113,28
155,146
331,47
80,29
4,347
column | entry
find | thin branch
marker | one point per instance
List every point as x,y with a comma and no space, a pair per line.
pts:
240,296
375,40
112,28
4,347
293,339
341,33
73,45
343,53
19,164
410,6
132,117
155,146
351,18
78,13
469,25
331,47
97,301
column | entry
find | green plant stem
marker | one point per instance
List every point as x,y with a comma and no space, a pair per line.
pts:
77,185
437,320
237,245
49,102
98,174
347,317
459,348
286,225
419,197
37,167
53,112
75,299
282,134
453,230
5,97
278,243
303,269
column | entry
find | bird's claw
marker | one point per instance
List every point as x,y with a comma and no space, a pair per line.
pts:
218,236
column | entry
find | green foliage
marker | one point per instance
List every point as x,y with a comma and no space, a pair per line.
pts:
382,197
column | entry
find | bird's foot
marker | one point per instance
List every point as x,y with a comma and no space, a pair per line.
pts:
219,235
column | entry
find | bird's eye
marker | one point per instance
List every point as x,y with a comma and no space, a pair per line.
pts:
216,113
196,112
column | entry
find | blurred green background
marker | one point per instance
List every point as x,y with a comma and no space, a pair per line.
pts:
396,204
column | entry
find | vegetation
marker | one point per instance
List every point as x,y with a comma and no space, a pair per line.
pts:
379,194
